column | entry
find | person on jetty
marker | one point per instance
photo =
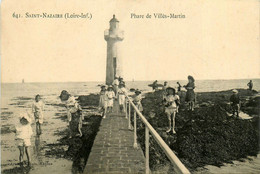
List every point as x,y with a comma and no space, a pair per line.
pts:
23,136
190,94
179,86
102,101
110,95
74,113
137,100
37,110
250,85
171,102
155,85
121,81
235,103
121,97
115,85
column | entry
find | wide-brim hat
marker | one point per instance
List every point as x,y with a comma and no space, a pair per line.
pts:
64,96
25,115
103,86
235,91
110,87
170,88
137,91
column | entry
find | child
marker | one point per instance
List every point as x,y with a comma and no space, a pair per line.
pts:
121,96
235,102
137,100
102,101
110,95
23,136
74,113
37,109
190,95
171,102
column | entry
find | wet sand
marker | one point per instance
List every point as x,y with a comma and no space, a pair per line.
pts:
51,152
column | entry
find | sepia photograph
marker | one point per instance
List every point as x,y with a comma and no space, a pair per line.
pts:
109,87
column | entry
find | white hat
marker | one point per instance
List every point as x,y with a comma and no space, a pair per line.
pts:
234,91
26,116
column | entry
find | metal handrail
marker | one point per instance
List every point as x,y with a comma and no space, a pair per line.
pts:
178,166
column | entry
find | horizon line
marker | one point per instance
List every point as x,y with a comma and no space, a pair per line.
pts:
255,78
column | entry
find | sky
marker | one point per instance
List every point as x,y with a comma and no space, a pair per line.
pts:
218,39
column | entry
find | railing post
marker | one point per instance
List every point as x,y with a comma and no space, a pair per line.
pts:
129,116
125,108
147,136
135,136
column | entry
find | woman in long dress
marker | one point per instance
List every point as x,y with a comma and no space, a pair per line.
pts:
102,101
74,113
190,94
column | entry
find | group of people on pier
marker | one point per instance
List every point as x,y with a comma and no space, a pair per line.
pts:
116,91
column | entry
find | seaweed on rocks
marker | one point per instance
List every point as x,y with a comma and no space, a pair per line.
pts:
79,148
89,100
206,136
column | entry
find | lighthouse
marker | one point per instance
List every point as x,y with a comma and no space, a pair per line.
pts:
113,36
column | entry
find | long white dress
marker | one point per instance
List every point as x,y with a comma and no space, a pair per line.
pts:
110,95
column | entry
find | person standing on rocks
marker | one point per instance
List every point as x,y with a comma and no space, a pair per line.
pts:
74,113
155,85
37,109
171,102
235,103
102,101
250,85
137,100
190,94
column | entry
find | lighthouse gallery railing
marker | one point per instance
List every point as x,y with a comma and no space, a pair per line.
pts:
178,166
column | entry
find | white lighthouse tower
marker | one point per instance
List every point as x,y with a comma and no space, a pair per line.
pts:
113,36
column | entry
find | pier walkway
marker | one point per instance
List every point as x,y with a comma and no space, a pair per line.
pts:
113,151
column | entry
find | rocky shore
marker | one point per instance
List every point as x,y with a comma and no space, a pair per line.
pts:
208,135
78,149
